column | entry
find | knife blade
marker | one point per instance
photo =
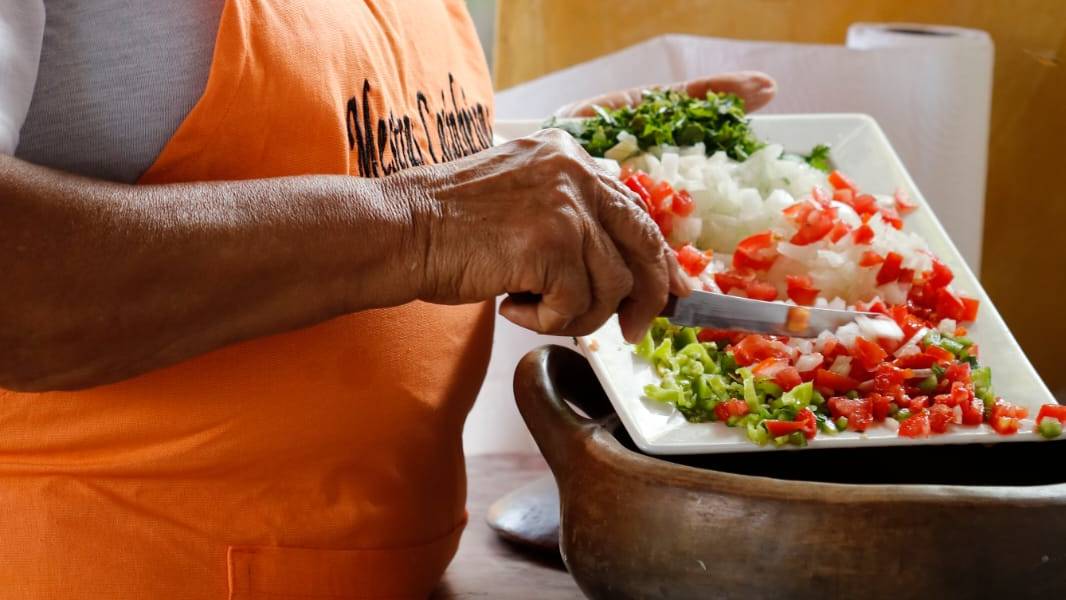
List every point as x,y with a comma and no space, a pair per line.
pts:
721,311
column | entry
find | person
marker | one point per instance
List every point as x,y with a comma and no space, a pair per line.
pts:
250,251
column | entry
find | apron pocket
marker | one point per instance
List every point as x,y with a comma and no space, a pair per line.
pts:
284,573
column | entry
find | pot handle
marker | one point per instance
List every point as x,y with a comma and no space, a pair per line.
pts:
545,380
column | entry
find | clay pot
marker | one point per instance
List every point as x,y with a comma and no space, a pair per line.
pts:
919,522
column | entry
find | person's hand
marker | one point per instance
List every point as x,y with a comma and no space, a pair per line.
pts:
538,219
755,88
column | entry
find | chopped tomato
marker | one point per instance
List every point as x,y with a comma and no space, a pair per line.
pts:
733,278
949,305
880,406
834,382
858,411
801,290
903,202
731,408
916,425
844,196
888,378
1006,418
708,334
788,378
841,181
633,182
969,309
863,235
660,196
940,415
865,205
769,367
761,291
839,230
755,347
1052,411
778,428
755,252
890,216
682,203
939,354
810,423
692,260
868,353
941,276
973,410
870,258
890,268
906,276
798,212
916,361
958,372
816,226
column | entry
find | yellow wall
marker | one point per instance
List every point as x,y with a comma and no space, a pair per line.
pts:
1024,264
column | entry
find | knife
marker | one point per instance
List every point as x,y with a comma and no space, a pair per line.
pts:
721,311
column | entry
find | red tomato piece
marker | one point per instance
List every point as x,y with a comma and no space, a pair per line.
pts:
858,411
969,309
890,216
660,196
708,334
834,382
906,276
756,252
810,423
801,290
841,181
903,202
788,378
754,348
816,226
916,361
868,353
692,260
769,367
863,235
731,408
1052,411
870,258
958,372
1006,418
798,212
633,182
733,278
778,428
759,290
890,268
682,203
879,406
865,205
916,425
940,416
939,354
949,306
845,196
941,274
839,230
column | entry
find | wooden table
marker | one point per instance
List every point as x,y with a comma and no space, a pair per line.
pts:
488,567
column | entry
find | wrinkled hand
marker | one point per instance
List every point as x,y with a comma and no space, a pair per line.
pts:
538,219
755,88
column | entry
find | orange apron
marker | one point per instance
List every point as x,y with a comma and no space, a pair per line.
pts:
322,463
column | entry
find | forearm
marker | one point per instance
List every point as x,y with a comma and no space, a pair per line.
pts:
105,281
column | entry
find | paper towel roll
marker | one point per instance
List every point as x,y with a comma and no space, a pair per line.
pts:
929,87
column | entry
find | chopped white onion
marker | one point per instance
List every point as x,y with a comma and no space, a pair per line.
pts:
841,365
809,362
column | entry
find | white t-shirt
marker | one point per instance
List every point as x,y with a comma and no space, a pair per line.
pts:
21,32
98,87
